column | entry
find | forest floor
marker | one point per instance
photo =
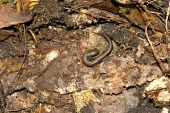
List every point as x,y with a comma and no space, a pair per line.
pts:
45,72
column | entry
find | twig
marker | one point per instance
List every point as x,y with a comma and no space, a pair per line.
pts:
167,16
34,37
150,43
25,54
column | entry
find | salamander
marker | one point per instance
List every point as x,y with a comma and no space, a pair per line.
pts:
93,57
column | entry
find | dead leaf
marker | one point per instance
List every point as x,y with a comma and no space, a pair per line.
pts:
11,17
141,17
6,33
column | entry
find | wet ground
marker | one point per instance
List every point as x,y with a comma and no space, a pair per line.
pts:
50,77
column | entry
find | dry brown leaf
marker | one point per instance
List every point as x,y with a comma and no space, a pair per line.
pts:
6,33
11,17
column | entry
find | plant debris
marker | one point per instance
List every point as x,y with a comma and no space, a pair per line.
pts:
43,44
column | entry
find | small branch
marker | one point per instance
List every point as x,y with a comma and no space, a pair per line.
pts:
167,16
156,57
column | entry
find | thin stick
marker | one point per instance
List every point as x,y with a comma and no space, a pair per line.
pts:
25,54
34,37
167,16
150,43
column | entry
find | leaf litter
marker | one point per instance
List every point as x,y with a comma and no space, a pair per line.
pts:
52,78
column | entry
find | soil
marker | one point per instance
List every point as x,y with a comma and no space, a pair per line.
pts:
50,77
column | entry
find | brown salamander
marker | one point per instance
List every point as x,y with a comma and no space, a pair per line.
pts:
93,57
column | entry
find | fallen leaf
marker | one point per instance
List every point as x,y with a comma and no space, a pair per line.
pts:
6,33
12,17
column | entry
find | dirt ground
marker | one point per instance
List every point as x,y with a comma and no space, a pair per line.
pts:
51,77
